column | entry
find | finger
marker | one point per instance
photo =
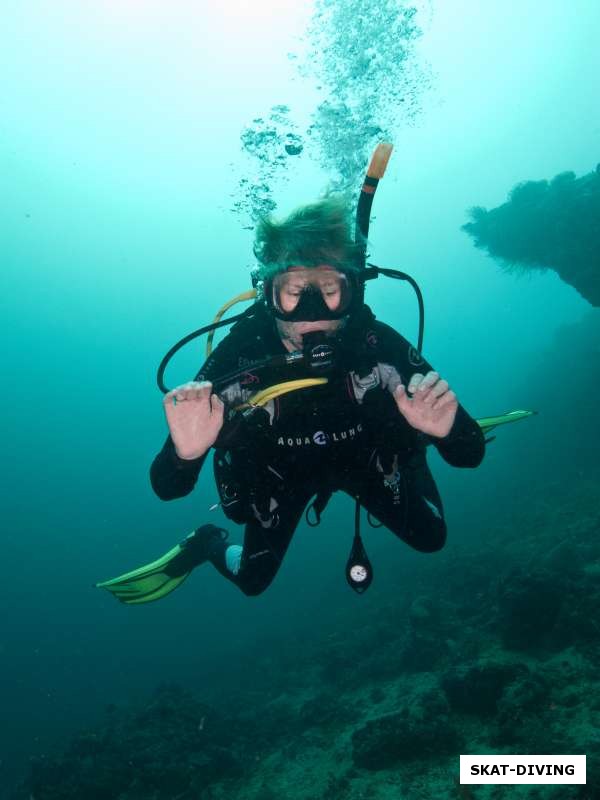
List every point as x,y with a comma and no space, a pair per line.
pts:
169,398
179,393
217,406
202,391
425,387
189,385
403,401
447,399
414,382
194,391
399,391
437,391
428,381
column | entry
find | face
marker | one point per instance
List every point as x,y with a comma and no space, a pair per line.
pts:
292,283
324,278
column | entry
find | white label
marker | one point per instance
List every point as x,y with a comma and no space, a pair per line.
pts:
522,769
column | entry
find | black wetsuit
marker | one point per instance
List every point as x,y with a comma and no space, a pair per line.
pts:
345,435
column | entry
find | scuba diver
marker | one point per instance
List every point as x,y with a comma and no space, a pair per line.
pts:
356,408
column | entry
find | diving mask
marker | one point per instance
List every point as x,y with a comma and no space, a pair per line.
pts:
310,294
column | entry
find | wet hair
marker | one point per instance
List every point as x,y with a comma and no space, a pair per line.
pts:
317,233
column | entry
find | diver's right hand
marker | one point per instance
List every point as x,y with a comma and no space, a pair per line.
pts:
194,416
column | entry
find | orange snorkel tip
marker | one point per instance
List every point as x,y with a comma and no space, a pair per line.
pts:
379,160
377,166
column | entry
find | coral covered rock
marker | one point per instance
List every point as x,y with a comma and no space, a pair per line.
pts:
477,688
420,729
529,605
547,225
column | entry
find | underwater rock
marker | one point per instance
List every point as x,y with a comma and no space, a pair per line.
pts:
527,696
324,709
423,611
477,688
577,622
547,225
529,604
425,645
421,729
173,746
423,650
566,558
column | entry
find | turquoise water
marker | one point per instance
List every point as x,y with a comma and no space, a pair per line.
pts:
127,222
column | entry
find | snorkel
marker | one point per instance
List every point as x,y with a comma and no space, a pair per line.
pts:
375,172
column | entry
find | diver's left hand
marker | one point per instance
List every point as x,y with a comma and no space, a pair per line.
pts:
432,407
